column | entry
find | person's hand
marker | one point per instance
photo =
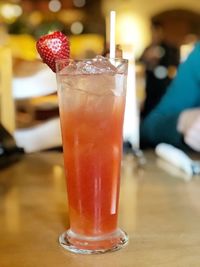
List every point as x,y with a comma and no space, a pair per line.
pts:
189,126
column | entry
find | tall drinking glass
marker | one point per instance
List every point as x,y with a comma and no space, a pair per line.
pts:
91,102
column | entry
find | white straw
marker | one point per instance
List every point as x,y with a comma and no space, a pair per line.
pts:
112,34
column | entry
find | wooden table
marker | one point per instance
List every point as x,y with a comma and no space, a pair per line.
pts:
158,209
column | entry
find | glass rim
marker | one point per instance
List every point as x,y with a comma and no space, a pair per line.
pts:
60,60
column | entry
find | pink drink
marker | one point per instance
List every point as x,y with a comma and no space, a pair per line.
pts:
92,102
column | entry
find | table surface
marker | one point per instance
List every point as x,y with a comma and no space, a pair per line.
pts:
159,210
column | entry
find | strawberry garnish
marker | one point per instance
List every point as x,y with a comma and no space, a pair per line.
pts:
53,46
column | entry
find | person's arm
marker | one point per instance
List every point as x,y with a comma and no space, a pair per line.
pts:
184,92
189,126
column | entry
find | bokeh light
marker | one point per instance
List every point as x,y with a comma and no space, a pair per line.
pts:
11,12
77,27
55,5
79,3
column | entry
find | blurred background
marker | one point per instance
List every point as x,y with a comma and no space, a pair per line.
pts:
30,85
86,21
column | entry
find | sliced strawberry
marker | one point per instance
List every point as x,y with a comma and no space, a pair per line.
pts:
53,46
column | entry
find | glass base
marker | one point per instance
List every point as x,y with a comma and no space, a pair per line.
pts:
93,245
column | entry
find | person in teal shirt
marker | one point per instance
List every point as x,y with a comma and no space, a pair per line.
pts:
176,119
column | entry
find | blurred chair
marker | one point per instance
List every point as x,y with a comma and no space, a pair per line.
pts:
34,87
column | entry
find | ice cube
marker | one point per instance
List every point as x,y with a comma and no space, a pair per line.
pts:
104,64
70,69
98,65
87,68
122,68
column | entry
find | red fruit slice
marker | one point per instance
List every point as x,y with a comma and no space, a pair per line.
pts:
53,46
